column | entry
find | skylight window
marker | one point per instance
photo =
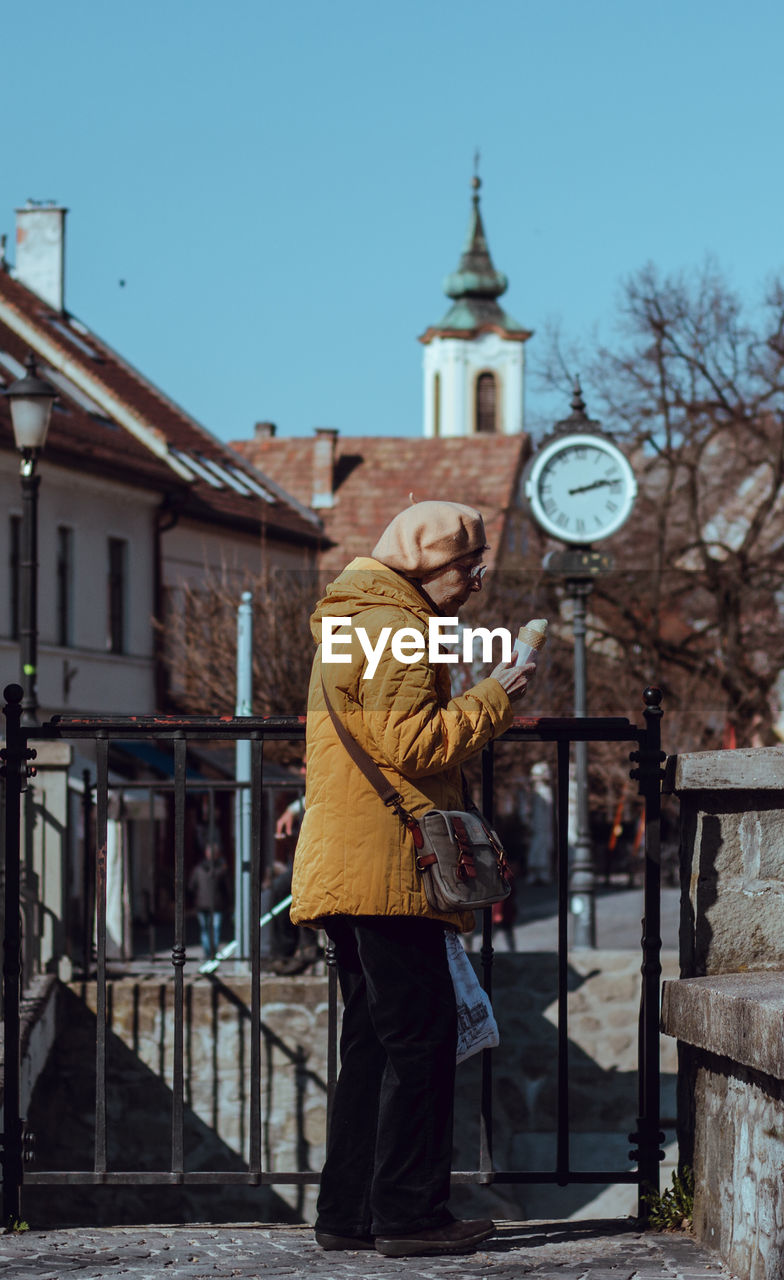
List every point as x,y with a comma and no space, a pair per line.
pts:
253,485
74,393
14,366
66,332
234,481
191,464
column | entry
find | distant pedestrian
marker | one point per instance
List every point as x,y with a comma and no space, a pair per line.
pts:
292,948
540,826
208,884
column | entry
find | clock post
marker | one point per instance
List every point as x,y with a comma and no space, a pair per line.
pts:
578,568
580,488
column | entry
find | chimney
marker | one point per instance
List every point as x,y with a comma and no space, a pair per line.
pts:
264,430
324,467
40,251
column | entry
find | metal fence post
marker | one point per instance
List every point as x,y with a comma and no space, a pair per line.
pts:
648,1135
14,772
87,874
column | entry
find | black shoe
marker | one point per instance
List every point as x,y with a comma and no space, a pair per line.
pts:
328,1241
455,1237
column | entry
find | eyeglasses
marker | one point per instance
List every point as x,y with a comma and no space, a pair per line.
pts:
477,573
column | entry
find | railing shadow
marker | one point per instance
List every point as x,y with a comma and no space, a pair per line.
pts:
139,1117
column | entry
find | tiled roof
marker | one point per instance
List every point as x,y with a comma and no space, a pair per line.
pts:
374,476
111,420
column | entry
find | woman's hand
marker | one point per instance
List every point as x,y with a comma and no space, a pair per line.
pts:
513,679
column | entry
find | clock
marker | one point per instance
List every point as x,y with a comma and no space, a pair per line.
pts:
580,488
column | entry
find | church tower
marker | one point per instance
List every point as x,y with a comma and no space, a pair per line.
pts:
474,362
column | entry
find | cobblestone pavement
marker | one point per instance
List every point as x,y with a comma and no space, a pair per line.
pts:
547,1251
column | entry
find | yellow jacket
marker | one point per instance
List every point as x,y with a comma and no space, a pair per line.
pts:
354,856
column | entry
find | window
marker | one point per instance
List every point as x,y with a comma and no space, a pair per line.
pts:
485,403
64,585
437,405
118,556
14,556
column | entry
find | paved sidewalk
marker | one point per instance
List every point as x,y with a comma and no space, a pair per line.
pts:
603,1250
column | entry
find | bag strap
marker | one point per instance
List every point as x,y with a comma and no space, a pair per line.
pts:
389,794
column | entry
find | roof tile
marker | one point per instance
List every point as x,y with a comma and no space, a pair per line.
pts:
102,445
373,477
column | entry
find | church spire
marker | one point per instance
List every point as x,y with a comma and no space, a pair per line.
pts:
476,276
476,285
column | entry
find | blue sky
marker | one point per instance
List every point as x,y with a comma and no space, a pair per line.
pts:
283,187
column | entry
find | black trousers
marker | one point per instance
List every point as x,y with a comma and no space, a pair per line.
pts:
389,1150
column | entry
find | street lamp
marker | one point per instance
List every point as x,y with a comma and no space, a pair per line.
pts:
31,399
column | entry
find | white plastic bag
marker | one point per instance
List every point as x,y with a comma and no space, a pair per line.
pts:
477,1028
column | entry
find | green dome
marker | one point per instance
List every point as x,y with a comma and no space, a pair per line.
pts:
476,277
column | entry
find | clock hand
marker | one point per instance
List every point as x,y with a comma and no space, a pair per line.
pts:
597,484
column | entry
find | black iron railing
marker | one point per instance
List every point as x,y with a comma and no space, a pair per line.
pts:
17,757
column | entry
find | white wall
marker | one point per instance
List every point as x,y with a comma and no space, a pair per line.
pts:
459,361
188,549
84,678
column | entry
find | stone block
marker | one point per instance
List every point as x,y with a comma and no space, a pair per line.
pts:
733,1023
738,1157
737,1016
742,931
732,849
749,769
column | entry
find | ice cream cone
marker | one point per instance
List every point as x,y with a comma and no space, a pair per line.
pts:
530,640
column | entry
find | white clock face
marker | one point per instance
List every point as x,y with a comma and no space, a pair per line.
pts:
581,488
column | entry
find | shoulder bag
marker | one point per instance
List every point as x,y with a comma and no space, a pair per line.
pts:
460,857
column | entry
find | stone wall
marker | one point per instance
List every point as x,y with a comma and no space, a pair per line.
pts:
604,989
727,1010
732,843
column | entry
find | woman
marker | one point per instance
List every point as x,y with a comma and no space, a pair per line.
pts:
385,1182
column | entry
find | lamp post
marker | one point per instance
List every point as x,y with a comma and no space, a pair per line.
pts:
31,399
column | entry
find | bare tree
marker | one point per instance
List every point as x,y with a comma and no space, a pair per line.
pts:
200,635
694,390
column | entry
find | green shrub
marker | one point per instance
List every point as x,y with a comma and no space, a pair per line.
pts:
16,1225
673,1209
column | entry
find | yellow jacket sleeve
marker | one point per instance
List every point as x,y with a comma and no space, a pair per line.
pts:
416,731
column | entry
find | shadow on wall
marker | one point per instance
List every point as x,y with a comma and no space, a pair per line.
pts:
700,853
695,932
139,1108
603,1093
603,1006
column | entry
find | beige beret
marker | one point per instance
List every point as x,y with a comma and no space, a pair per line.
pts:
428,535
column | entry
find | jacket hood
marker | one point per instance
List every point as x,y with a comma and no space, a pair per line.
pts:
365,584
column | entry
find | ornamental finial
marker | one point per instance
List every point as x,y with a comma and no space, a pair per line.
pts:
476,181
